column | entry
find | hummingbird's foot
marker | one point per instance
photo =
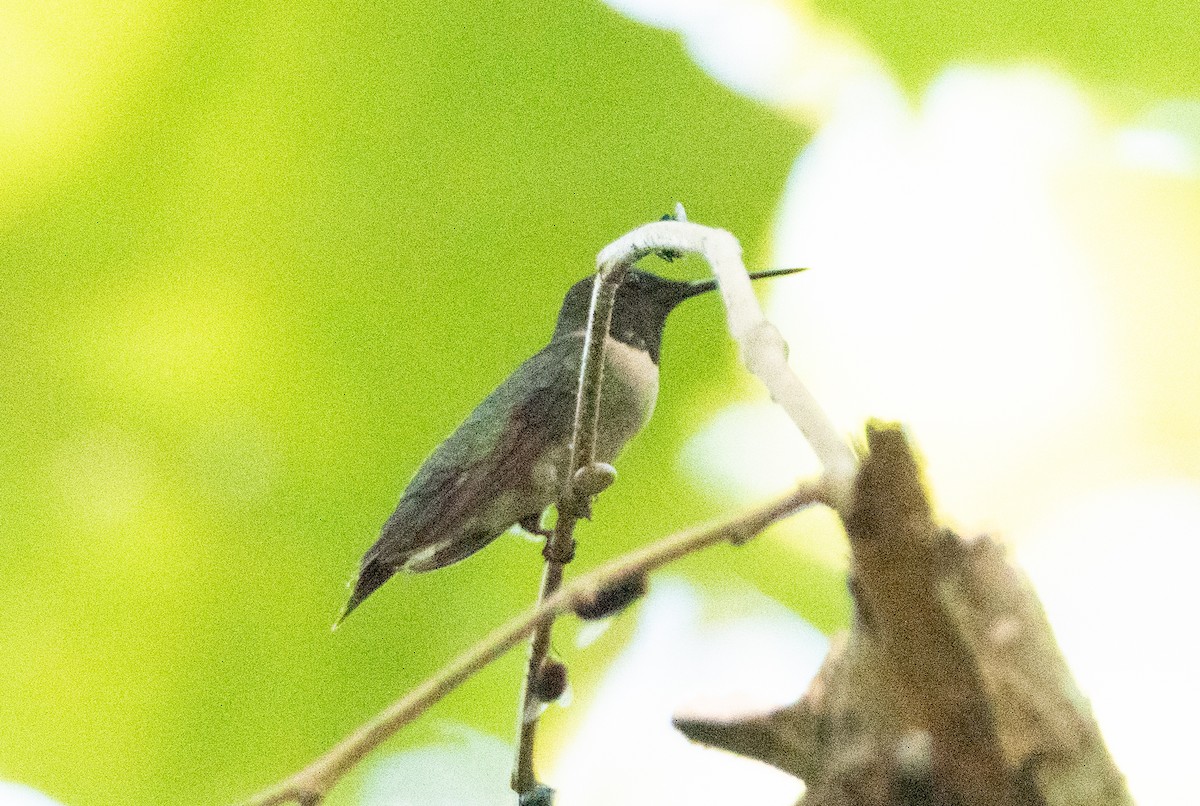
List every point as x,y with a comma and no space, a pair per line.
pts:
578,507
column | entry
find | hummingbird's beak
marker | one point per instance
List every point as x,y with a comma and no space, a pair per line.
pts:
700,286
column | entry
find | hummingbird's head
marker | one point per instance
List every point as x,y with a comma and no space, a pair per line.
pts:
641,306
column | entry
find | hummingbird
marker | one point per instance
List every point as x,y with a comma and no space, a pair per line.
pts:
503,466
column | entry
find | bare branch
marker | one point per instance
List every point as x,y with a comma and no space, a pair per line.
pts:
309,786
950,685
571,504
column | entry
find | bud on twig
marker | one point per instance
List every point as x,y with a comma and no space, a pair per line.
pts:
612,598
551,680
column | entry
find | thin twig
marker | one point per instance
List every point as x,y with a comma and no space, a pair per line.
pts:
523,777
561,545
310,785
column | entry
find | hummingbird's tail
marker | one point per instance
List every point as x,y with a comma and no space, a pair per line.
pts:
372,574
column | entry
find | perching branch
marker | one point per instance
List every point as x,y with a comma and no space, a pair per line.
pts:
309,786
560,547
763,350
764,353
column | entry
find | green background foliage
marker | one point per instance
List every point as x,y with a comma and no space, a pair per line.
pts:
253,272
257,259
1134,50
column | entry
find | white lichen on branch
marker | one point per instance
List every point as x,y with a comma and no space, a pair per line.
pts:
762,348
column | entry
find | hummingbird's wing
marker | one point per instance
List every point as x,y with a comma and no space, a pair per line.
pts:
456,505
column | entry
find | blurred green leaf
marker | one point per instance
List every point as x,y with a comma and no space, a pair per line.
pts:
257,260
1131,50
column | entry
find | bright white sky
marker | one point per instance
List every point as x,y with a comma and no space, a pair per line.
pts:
1013,276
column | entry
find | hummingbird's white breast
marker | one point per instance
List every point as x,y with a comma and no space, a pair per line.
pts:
627,396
